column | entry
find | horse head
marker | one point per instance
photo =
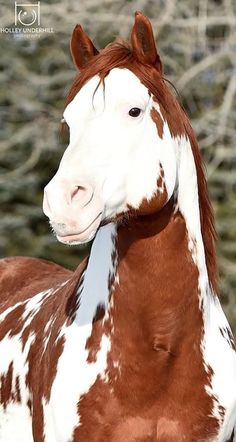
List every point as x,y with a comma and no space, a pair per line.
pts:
121,158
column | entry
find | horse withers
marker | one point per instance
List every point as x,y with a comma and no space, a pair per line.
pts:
133,345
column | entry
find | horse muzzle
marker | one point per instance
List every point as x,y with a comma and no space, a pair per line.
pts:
74,210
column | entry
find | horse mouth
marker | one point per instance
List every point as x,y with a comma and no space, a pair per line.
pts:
81,237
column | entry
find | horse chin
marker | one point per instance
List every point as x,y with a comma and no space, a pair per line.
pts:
74,240
81,236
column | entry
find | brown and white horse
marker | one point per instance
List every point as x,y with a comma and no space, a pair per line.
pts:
132,346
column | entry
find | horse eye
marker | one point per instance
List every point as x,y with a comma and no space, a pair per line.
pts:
135,112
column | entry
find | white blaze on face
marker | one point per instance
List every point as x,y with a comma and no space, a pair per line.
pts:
75,375
117,155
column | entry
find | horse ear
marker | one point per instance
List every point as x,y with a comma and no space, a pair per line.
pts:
143,42
81,47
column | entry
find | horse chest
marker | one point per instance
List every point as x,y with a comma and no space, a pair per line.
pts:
129,389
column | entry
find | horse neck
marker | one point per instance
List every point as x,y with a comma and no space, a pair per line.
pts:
179,221
150,251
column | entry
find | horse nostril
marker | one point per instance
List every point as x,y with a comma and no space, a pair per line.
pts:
82,195
77,192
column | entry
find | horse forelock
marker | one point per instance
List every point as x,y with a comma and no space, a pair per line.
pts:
119,55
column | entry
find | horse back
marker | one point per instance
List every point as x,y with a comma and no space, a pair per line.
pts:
23,277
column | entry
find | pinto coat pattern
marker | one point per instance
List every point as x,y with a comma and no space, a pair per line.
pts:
133,345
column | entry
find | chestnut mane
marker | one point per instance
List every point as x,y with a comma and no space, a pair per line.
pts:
119,55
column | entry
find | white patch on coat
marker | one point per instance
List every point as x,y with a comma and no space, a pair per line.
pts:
219,354
33,305
188,204
47,332
16,424
75,375
15,419
217,351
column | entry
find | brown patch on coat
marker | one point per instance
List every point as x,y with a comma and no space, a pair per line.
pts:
158,121
9,390
232,438
73,301
17,389
6,393
29,405
227,334
93,343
